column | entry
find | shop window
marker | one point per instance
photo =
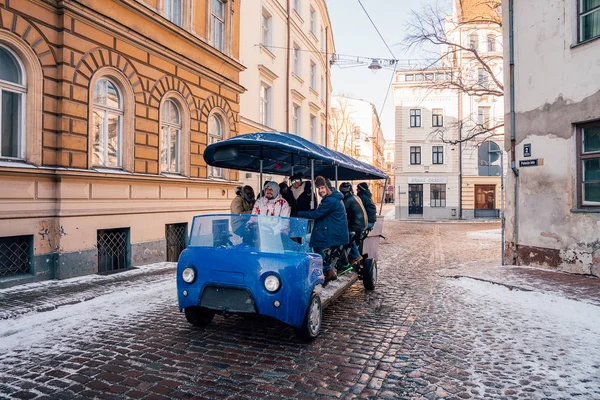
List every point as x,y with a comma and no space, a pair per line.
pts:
438,195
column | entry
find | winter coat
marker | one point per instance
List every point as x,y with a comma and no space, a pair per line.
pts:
331,225
370,207
239,205
302,196
277,207
355,212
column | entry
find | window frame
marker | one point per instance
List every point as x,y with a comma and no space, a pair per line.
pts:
417,116
580,26
484,123
297,60
170,125
437,155
483,78
264,108
210,173
491,43
20,89
473,44
120,112
297,116
169,13
581,156
437,119
416,152
439,202
313,75
223,21
313,21
313,128
266,36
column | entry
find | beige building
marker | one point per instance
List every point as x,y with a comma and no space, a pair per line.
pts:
389,153
355,130
107,109
553,135
449,124
284,46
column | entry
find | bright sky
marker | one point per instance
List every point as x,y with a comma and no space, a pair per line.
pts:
354,35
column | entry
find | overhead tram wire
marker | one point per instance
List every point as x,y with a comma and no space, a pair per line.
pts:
391,52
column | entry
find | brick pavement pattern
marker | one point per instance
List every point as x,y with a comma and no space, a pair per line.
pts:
400,341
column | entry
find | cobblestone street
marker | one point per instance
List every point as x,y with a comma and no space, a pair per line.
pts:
421,334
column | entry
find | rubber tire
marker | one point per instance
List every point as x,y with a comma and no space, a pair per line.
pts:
199,316
307,333
369,274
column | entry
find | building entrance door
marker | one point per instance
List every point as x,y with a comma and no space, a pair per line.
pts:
415,199
485,201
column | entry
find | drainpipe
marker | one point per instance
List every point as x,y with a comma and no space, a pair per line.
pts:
326,86
511,44
287,65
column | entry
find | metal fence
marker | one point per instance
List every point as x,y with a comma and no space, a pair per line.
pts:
176,235
113,250
15,255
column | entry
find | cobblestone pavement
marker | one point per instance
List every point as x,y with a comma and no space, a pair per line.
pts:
407,339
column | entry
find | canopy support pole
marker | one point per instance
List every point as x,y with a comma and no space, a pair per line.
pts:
383,195
312,180
260,188
336,177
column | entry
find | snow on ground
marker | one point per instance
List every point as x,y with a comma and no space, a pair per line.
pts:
491,234
546,335
38,331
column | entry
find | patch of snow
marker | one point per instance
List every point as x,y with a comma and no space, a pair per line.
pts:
491,234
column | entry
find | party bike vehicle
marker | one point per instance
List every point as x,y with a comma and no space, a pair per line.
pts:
253,264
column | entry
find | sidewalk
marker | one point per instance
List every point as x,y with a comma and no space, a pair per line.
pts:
49,295
575,287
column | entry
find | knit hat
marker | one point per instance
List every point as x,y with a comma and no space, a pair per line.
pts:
274,186
320,181
346,187
363,186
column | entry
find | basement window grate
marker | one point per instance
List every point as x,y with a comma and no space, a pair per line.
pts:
113,250
176,235
15,255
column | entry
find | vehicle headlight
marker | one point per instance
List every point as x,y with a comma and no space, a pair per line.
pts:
272,283
188,275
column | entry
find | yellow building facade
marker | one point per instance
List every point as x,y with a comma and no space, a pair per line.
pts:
107,108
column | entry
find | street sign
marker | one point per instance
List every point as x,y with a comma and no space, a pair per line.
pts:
527,150
528,163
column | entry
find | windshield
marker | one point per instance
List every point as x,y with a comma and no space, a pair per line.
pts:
252,233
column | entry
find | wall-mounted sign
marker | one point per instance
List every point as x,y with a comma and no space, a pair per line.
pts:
527,150
528,163
428,179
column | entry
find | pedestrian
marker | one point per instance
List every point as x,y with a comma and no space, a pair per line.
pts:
331,225
357,219
272,204
367,200
302,192
243,201
286,193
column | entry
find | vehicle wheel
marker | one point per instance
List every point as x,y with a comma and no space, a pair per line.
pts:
199,316
370,274
311,327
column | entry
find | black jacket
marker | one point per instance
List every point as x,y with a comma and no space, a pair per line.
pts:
302,203
370,207
355,212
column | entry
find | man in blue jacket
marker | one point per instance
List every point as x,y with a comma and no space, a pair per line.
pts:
331,225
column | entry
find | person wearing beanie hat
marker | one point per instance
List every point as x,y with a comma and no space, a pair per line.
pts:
362,190
331,225
272,204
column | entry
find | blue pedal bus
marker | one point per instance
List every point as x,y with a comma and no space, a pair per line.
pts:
253,264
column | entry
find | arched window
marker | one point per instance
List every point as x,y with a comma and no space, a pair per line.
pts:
107,124
12,104
215,134
170,137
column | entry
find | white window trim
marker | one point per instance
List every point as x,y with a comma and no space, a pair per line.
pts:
267,107
20,89
170,126
269,28
297,58
106,110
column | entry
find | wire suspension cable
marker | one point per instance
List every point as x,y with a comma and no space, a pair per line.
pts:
375,26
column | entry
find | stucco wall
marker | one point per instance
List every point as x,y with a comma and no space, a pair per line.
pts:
557,85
